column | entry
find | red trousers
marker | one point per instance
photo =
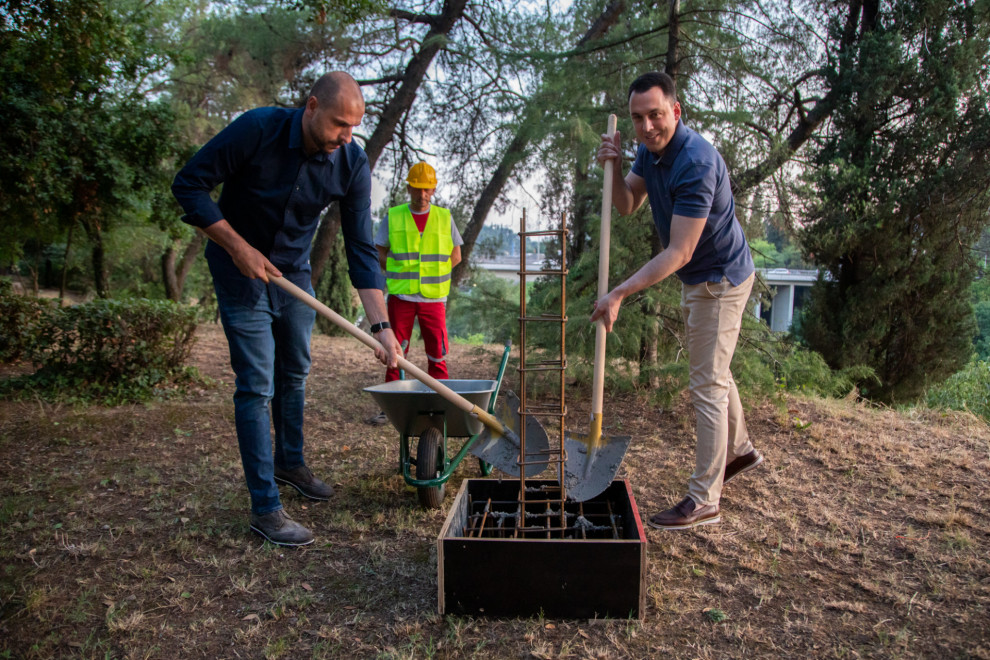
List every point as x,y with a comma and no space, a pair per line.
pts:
432,325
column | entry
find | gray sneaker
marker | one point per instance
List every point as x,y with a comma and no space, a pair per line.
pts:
280,529
302,479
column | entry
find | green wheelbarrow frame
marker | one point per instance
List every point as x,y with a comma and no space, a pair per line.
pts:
418,423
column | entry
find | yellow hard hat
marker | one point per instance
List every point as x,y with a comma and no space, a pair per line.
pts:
421,175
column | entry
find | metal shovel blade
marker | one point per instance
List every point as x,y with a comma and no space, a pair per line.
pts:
502,451
591,466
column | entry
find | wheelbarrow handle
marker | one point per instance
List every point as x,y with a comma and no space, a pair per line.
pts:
366,339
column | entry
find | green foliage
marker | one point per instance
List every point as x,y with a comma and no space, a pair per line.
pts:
334,290
968,389
20,318
487,306
981,312
84,144
108,351
902,194
769,255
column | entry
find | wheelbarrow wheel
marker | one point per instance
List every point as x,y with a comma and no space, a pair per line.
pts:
429,465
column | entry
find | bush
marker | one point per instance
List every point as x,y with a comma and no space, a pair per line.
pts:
109,350
968,389
20,318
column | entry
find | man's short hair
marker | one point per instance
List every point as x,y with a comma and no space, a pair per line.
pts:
648,81
330,85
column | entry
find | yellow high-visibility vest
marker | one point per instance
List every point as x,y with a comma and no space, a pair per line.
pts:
419,263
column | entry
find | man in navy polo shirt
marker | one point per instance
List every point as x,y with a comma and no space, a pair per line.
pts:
280,168
687,184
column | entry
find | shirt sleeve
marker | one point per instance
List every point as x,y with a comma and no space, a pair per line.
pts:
454,234
381,238
355,222
211,166
694,191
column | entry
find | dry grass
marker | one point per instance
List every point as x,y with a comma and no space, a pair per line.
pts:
123,534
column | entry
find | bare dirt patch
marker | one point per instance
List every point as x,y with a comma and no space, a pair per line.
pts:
123,533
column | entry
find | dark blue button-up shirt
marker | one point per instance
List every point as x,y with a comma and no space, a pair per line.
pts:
273,195
689,178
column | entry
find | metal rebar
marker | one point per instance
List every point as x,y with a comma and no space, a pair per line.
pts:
481,529
611,519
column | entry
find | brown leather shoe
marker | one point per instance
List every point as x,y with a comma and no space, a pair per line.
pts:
280,529
302,479
741,464
684,515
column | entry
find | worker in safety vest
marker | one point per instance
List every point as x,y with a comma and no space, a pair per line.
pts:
418,247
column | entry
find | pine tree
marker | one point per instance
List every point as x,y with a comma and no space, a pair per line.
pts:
903,187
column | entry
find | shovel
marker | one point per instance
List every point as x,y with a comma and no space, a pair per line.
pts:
499,443
594,459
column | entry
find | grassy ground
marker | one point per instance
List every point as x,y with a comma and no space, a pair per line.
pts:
123,534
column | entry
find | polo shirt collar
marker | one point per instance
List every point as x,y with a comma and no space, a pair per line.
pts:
295,135
673,147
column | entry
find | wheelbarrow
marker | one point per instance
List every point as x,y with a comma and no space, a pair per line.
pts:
416,411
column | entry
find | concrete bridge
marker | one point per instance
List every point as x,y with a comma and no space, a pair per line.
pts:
788,287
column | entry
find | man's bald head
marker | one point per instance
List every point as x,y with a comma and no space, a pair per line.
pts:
335,106
334,86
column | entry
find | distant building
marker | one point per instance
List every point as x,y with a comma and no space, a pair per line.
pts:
789,289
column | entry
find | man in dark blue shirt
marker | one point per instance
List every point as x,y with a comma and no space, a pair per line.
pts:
688,187
280,169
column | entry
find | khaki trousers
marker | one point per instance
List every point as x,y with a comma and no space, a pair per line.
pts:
713,316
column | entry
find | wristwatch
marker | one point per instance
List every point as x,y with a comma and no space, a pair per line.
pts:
378,327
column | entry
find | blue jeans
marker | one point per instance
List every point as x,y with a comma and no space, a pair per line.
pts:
269,352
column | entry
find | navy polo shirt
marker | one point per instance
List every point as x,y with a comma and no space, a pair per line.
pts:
273,195
689,178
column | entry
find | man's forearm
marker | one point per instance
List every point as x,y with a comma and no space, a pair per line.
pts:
248,260
373,301
655,270
622,195
226,237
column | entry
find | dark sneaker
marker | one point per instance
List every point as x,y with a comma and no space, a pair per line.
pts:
684,515
303,480
378,419
280,529
743,463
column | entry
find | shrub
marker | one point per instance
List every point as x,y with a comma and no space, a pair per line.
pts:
968,389
109,350
20,318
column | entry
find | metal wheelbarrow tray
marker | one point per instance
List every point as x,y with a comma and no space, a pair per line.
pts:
408,404
415,410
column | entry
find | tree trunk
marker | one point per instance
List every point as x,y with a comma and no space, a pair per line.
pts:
673,62
169,279
434,41
808,122
518,150
65,263
100,278
174,278
583,205
649,343
323,244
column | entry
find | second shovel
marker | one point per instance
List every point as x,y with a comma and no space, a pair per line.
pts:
593,459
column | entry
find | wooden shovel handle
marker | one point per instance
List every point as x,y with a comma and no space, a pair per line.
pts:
604,241
371,342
